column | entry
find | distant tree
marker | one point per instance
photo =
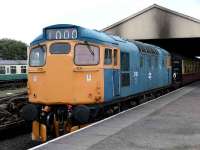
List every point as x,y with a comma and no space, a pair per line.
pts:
12,49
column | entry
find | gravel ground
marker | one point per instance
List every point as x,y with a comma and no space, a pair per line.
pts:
11,92
16,139
20,142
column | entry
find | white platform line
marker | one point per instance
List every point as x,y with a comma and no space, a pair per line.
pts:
34,148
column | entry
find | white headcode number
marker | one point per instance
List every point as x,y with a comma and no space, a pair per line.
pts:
74,34
66,34
58,34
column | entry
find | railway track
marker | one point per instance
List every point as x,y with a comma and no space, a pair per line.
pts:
10,110
4,85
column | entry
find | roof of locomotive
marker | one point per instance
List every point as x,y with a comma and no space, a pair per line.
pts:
13,62
95,36
83,34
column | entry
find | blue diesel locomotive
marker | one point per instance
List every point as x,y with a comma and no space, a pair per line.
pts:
76,74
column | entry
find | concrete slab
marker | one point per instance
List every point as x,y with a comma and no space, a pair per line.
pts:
171,122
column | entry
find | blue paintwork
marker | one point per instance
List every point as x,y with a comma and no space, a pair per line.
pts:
141,78
116,78
108,84
111,84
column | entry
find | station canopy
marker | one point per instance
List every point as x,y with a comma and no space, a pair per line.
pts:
163,27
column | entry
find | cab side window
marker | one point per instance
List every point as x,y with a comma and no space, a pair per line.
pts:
125,69
125,65
115,57
108,56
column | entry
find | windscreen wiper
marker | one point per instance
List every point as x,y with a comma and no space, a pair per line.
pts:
89,48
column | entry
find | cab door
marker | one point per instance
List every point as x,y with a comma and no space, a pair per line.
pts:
111,74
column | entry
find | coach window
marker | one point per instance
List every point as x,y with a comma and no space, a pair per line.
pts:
198,67
108,56
13,69
37,56
59,48
23,69
169,61
86,54
2,70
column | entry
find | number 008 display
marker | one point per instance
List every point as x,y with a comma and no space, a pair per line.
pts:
62,34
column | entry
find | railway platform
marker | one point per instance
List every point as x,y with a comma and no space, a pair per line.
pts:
170,122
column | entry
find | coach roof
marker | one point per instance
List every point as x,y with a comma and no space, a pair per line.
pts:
13,62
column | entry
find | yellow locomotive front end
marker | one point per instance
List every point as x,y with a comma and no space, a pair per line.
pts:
65,72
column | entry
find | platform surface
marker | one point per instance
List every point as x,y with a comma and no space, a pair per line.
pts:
171,122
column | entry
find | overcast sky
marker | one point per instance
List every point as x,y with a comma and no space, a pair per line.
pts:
24,19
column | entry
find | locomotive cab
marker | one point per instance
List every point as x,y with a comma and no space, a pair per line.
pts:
65,72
